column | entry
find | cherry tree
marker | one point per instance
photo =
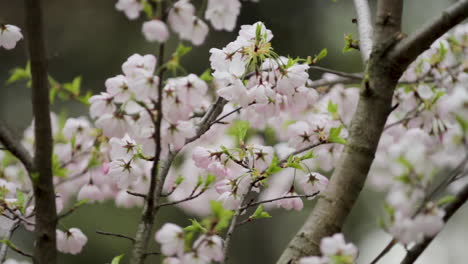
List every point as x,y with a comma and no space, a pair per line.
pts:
251,134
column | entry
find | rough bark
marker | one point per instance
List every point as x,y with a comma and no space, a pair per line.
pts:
44,195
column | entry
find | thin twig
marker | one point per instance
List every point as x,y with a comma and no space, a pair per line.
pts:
137,194
8,236
355,76
191,197
278,199
16,249
115,235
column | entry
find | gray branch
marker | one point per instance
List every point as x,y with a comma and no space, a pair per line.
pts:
14,146
365,28
408,49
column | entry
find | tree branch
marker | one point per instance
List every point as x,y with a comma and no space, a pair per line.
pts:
4,247
355,76
450,210
156,180
408,49
365,28
14,146
278,199
104,233
348,178
45,251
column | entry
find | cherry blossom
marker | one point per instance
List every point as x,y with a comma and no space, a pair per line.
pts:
171,238
210,248
9,36
90,192
155,30
223,13
71,241
131,8
290,203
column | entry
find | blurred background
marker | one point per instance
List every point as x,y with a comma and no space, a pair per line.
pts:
92,39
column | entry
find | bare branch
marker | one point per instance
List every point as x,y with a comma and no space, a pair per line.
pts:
278,199
14,146
115,235
137,194
365,28
8,236
450,210
355,76
408,49
191,197
13,247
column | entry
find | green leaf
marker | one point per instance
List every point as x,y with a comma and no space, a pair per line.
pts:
333,109
182,50
259,213
148,9
116,260
195,227
84,99
335,135
222,215
295,166
308,155
239,130
389,209
463,123
21,199
273,168
446,200
210,178
74,86
20,74
179,180
350,43
206,76
57,168
323,53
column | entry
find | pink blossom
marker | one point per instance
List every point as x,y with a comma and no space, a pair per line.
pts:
101,104
336,245
210,248
155,30
313,183
9,36
171,238
131,8
290,203
90,192
71,241
223,13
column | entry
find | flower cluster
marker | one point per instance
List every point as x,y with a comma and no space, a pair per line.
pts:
334,250
182,18
431,118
